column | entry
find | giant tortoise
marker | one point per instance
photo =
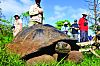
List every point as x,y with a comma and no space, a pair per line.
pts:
38,40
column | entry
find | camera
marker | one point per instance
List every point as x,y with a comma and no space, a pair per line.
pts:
85,23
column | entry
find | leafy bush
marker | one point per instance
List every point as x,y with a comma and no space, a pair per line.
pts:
9,59
5,32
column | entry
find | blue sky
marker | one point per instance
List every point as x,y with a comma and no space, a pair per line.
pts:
63,9
54,10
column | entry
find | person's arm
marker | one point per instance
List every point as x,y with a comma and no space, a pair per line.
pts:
21,26
72,26
42,16
33,10
79,23
41,12
30,10
76,28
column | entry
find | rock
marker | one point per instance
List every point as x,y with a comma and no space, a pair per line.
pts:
55,56
75,56
41,59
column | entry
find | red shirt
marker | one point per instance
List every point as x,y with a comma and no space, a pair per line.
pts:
81,24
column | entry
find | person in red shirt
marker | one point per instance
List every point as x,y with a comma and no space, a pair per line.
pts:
83,26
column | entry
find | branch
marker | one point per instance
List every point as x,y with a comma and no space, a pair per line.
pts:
95,53
91,17
91,9
88,1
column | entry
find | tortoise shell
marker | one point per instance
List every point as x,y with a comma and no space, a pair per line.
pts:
34,38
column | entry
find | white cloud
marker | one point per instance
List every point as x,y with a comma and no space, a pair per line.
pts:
60,8
58,12
13,6
76,14
99,1
10,7
67,12
26,1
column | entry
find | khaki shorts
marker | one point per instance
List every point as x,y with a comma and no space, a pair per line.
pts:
34,20
31,23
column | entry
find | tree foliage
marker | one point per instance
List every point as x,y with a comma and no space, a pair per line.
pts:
59,24
93,26
25,14
5,31
94,12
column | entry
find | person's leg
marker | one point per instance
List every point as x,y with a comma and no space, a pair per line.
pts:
31,22
76,36
86,35
81,36
16,31
73,36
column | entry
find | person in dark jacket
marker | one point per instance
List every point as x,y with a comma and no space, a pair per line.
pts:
75,29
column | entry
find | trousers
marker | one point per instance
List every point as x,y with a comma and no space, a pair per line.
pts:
83,36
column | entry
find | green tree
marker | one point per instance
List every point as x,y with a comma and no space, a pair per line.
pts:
59,24
25,14
25,17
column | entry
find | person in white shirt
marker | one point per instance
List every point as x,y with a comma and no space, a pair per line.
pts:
17,25
65,28
36,14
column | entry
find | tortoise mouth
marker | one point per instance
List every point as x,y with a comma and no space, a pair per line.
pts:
62,50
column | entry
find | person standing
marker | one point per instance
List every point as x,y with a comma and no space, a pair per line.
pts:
75,29
65,28
83,26
36,13
17,25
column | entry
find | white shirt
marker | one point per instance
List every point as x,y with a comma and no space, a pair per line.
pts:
17,23
34,9
64,28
